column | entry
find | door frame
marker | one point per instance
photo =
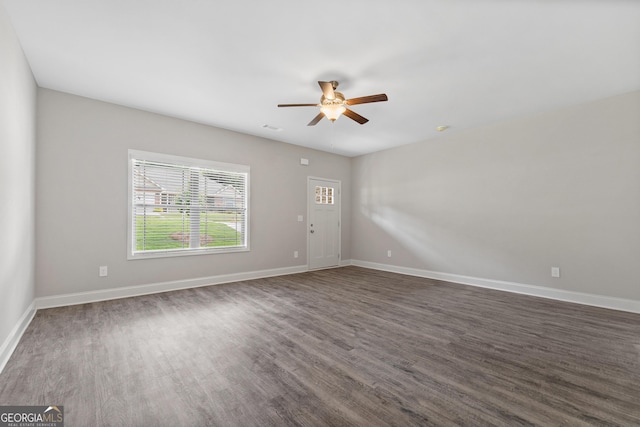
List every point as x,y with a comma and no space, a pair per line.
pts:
308,203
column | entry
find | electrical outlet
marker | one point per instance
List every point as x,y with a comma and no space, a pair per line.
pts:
295,254
555,271
103,271
300,218
389,253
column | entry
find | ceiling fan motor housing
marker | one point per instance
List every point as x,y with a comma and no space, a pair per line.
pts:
338,99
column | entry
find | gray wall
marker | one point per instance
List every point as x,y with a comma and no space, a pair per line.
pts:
82,194
17,177
511,200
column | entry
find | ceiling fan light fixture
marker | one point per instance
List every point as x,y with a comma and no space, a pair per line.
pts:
333,111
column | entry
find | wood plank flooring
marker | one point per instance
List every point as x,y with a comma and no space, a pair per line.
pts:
347,346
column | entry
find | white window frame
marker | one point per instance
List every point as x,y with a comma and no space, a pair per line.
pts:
132,254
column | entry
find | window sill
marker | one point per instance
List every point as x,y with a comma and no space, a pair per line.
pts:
181,253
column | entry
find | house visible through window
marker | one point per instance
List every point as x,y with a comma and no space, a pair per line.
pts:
324,195
183,206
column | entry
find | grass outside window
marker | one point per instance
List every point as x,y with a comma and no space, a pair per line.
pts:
171,231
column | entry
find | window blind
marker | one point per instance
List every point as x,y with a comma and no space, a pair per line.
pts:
183,205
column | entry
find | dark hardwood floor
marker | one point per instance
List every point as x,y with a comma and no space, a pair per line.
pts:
347,346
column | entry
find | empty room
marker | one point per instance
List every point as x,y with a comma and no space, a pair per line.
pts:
356,213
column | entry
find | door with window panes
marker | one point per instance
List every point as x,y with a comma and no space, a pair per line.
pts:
324,223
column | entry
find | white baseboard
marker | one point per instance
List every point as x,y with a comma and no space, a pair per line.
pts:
613,303
153,288
10,344
345,262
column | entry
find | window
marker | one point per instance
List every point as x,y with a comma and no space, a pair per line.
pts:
324,195
183,206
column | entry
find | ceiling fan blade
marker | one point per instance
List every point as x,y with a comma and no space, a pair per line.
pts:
327,90
355,116
298,105
316,119
367,99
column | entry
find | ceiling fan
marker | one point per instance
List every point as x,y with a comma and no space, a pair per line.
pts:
332,104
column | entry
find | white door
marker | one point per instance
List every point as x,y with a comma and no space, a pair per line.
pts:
324,223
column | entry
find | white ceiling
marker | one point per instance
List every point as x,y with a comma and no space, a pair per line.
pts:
460,63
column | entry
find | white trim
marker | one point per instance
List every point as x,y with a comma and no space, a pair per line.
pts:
188,161
153,288
163,253
345,262
9,345
613,303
